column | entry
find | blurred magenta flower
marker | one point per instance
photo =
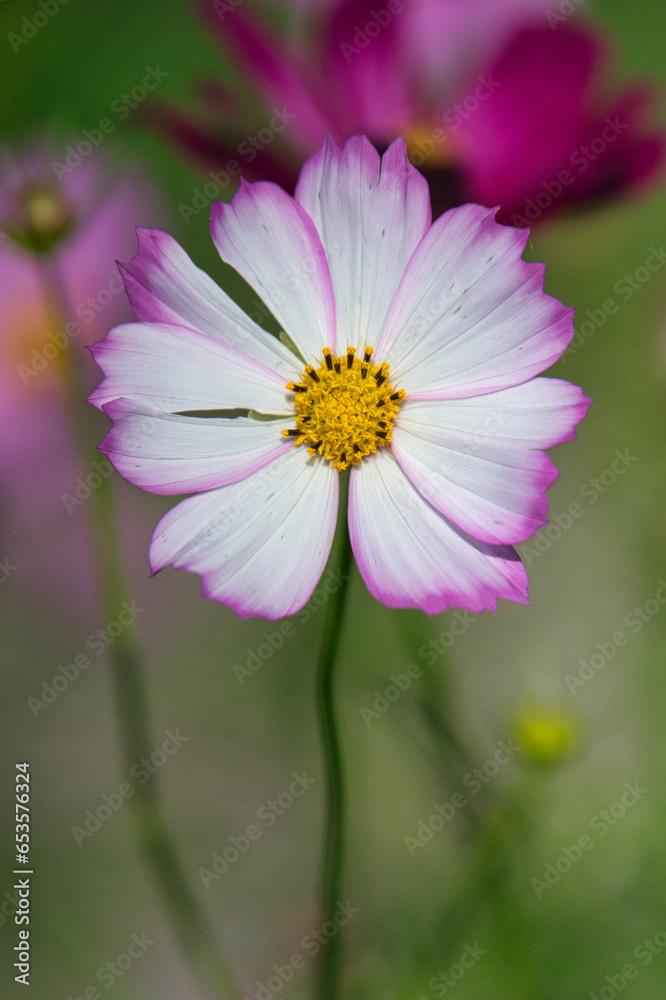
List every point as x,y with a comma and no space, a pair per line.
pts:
67,223
68,230
444,442
498,103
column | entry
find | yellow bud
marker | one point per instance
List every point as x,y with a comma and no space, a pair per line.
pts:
546,735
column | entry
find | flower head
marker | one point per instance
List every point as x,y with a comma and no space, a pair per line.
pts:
67,221
499,103
41,209
418,345
77,224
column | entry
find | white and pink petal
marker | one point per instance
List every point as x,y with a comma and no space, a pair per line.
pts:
170,453
371,213
478,461
470,316
272,242
172,368
165,286
411,556
261,544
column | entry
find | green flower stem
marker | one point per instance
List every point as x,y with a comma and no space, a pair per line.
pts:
334,839
189,923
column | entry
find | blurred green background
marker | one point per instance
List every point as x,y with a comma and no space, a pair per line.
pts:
244,741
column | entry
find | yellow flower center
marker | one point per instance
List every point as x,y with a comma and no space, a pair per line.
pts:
45,211
46,218
430,148
345,409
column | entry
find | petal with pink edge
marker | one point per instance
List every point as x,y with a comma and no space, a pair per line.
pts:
477,460
470,316
169,453
164,286
272,243
260,545
410,556
173,368
370,213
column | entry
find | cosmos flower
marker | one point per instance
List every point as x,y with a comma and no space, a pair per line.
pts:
505,104
74,226
418,344
66,223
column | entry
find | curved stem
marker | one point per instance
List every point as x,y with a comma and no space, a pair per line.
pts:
334,842
190,925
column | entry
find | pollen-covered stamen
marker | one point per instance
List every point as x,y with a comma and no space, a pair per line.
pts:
381,375
345,408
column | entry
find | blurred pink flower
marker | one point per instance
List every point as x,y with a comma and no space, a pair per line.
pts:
72,228
498,103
